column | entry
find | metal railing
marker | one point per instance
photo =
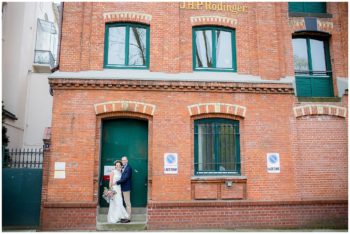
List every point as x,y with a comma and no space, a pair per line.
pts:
22,158
44,57
313,73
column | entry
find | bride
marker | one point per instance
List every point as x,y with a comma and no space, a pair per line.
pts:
116,210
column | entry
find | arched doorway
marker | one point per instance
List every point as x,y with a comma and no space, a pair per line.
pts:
129,137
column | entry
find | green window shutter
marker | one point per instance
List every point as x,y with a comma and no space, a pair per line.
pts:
315,7
296,7
307,7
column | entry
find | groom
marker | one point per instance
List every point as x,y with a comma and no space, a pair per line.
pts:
125,182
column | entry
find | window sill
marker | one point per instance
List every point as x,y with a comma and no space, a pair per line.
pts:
305,14
126,67
216,178
319,99
214,70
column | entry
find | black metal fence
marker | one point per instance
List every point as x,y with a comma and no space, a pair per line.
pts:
22,158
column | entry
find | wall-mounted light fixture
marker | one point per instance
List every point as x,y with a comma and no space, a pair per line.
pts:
229,183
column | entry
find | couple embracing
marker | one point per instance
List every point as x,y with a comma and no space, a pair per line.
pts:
120,181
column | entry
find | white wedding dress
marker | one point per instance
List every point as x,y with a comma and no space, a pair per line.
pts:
116,210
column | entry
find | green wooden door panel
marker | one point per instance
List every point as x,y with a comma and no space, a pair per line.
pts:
303,86
127,137
313,86
21,196
321,87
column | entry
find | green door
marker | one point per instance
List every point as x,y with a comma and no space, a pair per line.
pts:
126,137
21,196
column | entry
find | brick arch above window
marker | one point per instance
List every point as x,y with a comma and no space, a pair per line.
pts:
297,24
214,20
319,110
124,106
128,16
216,108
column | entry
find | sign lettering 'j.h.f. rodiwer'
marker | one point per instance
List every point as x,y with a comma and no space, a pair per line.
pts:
214,6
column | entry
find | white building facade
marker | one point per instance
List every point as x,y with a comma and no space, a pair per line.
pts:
30,35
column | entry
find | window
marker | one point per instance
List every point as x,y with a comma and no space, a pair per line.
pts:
216,147
126,46
214,49
307,7
312,67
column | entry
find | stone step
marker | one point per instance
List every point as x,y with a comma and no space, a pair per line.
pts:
138,221
132,226
134,218
134,210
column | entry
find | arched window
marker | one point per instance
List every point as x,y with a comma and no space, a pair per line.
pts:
214,49
216,147
312,66
126,46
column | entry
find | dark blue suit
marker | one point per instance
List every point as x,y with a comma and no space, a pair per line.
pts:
125,179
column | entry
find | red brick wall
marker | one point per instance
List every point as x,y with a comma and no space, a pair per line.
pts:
263,37
321,168
343,18
264,129
339,41
247,215
339,38
73,142
58,217
71,37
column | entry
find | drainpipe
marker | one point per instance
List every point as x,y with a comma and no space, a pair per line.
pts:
60,39
59,44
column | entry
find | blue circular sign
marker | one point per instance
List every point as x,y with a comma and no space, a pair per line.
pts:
273,158
170,158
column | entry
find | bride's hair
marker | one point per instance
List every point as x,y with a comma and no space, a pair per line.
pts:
118,161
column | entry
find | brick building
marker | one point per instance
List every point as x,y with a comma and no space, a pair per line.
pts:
233,115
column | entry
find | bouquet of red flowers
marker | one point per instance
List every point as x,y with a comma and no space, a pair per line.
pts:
108,194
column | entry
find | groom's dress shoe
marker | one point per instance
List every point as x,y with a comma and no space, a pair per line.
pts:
125,221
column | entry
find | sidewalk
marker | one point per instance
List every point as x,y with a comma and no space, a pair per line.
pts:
10,229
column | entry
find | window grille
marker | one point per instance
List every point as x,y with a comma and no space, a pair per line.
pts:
217,148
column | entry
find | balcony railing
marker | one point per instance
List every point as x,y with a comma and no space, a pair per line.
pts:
313,73
44,57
